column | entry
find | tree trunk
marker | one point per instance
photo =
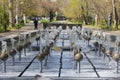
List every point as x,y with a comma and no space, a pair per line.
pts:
51,16
83,15
16,17
11,21
96,19
115,14
85,19
87,13
24,18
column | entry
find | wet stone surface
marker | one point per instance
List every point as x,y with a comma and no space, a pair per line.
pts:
104,68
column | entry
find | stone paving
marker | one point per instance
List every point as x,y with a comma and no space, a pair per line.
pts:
106,31
29,27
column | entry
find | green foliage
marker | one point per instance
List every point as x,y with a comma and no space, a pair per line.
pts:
10,8
113,29
27,20
1,29
118,27
77,10
103,27
4,19
103,24
45,21
72,10
75,22
17,26
4,23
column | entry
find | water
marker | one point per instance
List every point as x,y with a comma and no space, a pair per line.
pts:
9,43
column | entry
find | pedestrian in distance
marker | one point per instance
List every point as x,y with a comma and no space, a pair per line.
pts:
35,23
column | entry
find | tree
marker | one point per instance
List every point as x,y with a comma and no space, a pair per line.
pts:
115,14
72,9
11,20
49,8
78,10
102,9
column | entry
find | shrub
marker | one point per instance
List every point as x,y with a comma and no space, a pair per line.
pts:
45,21
17,26
1,29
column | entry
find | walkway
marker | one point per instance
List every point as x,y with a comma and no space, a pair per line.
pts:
117,33
29,27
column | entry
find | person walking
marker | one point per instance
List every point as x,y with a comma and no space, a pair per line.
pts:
35,23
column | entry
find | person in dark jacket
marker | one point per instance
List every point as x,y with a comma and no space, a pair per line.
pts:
35,23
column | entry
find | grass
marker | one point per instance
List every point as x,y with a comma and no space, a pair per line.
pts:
91,26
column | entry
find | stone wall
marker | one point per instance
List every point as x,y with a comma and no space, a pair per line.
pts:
45,25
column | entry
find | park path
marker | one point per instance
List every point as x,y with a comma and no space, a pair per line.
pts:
29,27
117,33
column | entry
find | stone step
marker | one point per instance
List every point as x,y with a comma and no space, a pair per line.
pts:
17,78
58,78
25,78
84,78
